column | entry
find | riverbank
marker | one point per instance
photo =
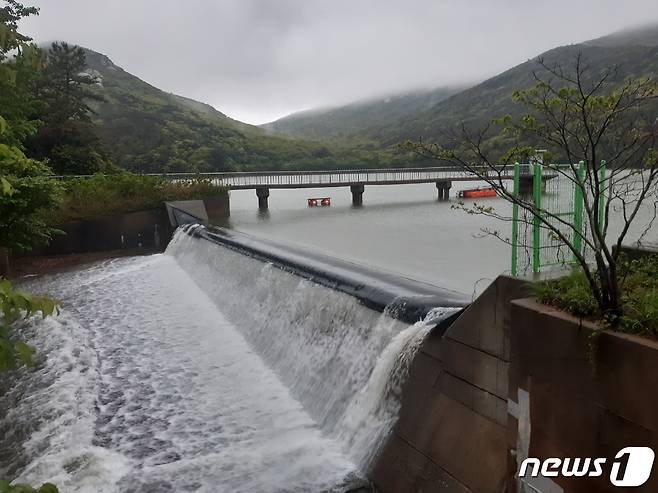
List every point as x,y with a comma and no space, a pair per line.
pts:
51,264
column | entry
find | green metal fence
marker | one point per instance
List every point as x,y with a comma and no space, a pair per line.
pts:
560,203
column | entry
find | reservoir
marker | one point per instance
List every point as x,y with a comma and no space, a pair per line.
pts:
400,228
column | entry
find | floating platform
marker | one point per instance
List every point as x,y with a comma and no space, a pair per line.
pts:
319,201
474,193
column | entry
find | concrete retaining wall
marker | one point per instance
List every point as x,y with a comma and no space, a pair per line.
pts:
580,400
452,430
512,379
148,229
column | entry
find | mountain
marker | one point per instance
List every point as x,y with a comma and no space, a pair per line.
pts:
149,130
342,122
646,35
634,51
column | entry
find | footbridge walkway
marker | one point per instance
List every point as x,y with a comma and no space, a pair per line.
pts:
263,181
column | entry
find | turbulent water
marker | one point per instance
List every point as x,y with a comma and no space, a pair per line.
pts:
202,370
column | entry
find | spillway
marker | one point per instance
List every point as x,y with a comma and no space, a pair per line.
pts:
223,365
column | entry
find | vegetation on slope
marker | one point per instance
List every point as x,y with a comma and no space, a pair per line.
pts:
360,118
635,52
145,129
106,195
148,130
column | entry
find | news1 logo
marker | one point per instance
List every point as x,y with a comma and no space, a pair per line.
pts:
631,467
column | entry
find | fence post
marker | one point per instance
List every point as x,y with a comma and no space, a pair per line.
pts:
515,220
602,197
578,203
536,223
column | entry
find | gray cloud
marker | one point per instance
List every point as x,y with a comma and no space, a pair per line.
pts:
257,60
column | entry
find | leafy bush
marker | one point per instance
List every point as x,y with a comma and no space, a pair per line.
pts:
639,297
105,195
25,191
14,306
5,487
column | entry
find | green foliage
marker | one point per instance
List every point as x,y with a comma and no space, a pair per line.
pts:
10,38
571,293
150,131
104,195
67,138
65,89
15,306
17,74
639,297
24,191
359,122
27,191
5,487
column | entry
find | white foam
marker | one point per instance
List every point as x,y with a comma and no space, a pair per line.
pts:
204,370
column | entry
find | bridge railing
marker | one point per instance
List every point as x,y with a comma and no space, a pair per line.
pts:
306,178
256,179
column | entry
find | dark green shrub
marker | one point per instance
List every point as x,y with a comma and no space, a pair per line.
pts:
106,195
639,297
5,487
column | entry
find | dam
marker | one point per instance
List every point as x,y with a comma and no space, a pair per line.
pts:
225,364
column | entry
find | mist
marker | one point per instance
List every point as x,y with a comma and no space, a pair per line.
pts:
258,60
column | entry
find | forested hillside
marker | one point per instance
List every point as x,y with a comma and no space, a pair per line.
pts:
148,130
635,52
360,118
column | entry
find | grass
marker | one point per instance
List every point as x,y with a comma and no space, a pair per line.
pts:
106,195
639,297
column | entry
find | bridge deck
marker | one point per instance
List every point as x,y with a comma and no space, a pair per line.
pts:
338,178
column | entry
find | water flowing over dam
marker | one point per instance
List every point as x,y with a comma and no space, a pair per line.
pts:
208,368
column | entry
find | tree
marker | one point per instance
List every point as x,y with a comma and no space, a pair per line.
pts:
18,74
582,116
66,87
23,192
10,38
27,191
67,137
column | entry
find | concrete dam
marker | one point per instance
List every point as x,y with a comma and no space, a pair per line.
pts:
228,363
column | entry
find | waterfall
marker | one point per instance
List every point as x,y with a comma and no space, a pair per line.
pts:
204,369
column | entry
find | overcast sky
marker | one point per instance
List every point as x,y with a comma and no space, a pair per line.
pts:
257,60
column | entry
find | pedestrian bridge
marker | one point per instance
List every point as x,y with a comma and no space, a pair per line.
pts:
263,181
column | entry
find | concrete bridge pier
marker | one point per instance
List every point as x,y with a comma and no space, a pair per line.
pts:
357,194
262,193
443,187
